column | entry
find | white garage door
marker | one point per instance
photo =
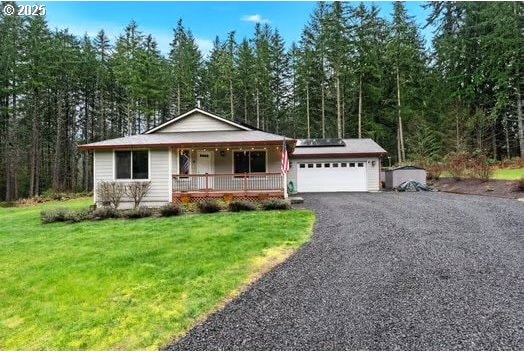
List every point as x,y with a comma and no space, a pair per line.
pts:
340,176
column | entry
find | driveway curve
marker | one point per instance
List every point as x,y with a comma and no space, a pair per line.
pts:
387,271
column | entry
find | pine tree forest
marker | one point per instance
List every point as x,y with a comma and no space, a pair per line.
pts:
353,74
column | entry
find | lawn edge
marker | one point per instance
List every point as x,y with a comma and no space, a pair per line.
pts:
285,252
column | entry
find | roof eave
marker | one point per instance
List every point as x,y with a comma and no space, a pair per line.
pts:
183,145
338,155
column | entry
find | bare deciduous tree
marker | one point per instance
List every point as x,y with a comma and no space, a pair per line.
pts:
110,193
137,191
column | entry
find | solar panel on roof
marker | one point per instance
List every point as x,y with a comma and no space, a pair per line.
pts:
321,142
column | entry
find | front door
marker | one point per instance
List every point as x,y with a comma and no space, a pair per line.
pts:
205,165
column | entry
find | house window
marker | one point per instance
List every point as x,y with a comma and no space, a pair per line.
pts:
249,162
351,164
343,165
309,166
335,164
302,166
327,165
319,165
132,164
360,164
184,162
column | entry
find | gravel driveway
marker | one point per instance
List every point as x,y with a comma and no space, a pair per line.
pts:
384,271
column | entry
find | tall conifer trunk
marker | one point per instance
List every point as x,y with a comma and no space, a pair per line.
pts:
360,107
307,111
339,113
323,107
400,133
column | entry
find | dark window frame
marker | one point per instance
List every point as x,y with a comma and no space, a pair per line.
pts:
131,166
247,155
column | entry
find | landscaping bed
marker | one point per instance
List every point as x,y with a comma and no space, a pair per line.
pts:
494,188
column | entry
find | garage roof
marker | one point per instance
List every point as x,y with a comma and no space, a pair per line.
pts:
351,147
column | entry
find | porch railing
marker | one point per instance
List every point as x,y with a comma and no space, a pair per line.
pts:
228,182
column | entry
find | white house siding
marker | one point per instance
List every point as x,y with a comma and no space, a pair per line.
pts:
373,174
197,122
103,168
159,193
292,174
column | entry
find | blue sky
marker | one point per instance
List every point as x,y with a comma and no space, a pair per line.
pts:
205,19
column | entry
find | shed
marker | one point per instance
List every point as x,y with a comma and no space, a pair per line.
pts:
395,177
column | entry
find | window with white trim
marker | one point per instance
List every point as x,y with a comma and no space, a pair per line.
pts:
132,164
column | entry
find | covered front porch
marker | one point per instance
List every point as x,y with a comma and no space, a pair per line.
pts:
227,172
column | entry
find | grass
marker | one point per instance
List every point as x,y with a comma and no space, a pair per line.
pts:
129,284
509,174
500,174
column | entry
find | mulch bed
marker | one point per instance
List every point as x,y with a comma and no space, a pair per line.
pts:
495,188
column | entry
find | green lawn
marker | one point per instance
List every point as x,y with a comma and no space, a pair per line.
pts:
500,174
509,174
129,284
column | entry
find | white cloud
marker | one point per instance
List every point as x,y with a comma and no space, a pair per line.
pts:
205,45
255,19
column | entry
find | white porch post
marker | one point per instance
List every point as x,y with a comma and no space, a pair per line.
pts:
284,179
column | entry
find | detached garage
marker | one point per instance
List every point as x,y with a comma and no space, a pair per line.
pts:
336,165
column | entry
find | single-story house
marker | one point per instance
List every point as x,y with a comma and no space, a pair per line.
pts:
200,155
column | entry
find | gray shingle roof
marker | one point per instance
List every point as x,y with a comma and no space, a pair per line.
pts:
187,138
353,146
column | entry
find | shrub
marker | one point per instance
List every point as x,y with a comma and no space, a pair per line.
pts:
209,206
241,205
170,210
110,193
137,191
138,213
434,170
54,215
105,213
456,164
519,185
481,168
276,204
190,207
79,215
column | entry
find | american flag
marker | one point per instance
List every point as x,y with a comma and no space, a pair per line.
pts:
284,165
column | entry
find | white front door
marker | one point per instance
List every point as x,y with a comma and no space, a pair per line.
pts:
205,165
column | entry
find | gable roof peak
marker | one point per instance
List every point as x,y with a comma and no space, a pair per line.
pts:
193,111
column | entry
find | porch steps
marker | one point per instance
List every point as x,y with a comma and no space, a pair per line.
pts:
296,200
